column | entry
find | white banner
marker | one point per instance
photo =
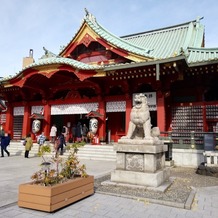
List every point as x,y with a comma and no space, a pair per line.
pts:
83,108
116,106
18,111
37,110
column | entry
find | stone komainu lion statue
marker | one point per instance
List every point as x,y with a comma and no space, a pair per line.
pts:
140,122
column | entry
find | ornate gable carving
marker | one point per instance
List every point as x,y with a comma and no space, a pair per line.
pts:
87,39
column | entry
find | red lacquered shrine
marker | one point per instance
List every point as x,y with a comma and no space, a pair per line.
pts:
98,73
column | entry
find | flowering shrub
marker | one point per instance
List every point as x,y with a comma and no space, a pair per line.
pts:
57,169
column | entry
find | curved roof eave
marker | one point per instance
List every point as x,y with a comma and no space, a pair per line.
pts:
117,41
144,63
90,20
56,60
201,56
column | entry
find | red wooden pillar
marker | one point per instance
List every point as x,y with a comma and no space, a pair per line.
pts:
8,126
26,121
102,120
128,111
161,115
47,120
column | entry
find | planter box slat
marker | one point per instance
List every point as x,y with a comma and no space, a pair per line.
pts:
71,193
53,207
30,188
43,200
78,182
46,208
50,198
35,199
71,200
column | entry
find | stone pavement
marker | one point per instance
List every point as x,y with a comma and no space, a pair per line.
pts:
16,169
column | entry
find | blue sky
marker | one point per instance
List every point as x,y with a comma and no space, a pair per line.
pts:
32,24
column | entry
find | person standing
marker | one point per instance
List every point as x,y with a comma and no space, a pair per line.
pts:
53,133
65,132
28,145
84,133
61,143
5,141
41,140
79,132
74,133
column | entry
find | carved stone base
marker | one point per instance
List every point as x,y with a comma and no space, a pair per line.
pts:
140,158
140,164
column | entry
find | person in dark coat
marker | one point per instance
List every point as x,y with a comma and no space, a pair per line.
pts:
74,133
5,141
79,132
84,133
61,143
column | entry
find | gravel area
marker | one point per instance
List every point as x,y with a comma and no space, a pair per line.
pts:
185,180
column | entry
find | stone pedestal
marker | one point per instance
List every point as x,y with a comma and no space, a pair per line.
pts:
141,163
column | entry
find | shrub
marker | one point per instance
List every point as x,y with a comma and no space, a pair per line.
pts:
56,169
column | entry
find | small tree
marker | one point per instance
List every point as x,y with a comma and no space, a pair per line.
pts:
58,170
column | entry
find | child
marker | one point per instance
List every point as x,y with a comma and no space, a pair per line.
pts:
41,140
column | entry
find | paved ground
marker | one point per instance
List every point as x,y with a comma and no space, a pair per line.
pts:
16,169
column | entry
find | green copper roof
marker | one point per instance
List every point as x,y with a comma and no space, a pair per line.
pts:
167,42
199,56
117,41
59,60
114,40
179,41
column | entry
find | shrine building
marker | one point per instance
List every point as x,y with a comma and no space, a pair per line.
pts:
97,74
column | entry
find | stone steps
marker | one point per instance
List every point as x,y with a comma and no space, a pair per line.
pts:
88,152
17,149
97,152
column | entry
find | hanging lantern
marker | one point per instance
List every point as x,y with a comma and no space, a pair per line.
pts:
93,125
36,126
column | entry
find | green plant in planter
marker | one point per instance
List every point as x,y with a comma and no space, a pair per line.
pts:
58,170
43,150
72,167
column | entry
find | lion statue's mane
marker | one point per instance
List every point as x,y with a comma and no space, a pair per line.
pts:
140,122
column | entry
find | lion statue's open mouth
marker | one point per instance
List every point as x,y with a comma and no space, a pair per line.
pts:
138,101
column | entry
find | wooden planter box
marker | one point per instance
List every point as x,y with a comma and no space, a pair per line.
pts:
51,198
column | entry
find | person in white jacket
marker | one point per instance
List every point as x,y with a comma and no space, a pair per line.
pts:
53,133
